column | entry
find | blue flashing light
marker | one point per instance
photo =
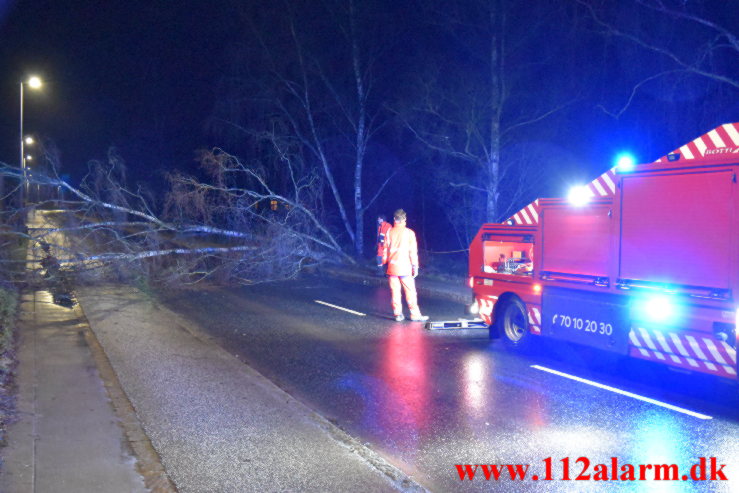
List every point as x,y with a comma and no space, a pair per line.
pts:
658,309
625,162
579,195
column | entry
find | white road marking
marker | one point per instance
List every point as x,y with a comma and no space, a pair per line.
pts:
623,392
340,308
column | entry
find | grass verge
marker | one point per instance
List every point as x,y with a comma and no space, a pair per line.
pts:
8,360
15,253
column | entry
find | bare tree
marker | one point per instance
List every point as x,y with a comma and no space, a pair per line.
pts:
477,100
319,94
678,38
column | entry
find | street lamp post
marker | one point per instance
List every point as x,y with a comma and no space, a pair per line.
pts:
33,83
22,156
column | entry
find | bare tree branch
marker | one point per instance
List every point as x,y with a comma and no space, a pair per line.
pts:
687,66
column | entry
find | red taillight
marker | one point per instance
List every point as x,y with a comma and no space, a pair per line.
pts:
471,282
537,288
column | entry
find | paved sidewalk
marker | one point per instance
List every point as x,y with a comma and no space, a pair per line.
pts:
68,438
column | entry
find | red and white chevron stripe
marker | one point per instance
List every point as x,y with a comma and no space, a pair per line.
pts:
692,351
534,319
726,135
528,215
604,185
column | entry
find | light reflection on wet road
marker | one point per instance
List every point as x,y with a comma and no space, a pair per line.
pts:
430,400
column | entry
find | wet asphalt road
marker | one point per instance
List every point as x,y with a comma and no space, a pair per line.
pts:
428,400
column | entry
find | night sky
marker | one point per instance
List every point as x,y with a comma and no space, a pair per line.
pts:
139,75
148,77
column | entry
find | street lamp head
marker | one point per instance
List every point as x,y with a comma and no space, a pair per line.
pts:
29,140
29,157
34,82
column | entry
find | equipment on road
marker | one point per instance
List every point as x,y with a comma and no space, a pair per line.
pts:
457,324
643,261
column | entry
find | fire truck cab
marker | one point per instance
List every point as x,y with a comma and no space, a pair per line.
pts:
644,264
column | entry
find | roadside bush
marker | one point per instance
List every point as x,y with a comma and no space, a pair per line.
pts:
8,308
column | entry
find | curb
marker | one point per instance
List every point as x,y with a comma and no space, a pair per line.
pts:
148,462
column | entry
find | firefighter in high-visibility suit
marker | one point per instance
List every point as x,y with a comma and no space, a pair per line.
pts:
400,253
382,228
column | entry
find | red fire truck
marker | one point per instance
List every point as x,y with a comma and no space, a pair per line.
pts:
642,261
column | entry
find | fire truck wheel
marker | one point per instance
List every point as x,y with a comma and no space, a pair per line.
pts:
514,324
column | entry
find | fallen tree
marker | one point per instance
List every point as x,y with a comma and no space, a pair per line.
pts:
232,225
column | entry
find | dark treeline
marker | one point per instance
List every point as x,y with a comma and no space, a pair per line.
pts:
463,112
458,112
